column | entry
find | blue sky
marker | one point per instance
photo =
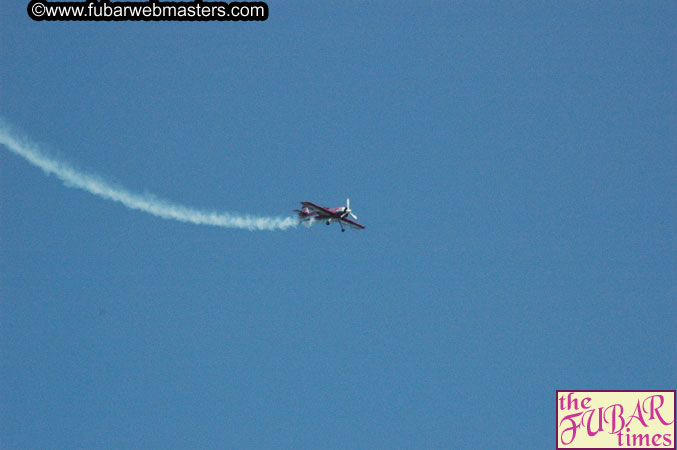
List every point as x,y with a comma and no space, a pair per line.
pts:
514,165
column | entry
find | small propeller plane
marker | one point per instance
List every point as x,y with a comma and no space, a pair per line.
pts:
311,211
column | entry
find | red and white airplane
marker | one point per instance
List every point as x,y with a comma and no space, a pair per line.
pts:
311,211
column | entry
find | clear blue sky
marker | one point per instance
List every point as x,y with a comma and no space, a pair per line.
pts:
514,164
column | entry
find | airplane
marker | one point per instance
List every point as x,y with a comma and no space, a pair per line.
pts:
311,211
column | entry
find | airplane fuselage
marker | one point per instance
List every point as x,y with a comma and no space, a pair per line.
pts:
311,212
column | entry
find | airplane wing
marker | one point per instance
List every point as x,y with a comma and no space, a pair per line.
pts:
320,210
352,223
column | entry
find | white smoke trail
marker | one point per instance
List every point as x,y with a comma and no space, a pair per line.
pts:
142,202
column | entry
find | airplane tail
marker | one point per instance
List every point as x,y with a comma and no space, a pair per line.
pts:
303,214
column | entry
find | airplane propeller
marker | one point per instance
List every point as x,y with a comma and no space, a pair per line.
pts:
347,211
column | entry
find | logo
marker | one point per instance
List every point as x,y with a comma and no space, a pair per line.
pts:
616,419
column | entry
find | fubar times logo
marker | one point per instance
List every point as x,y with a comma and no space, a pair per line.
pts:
615,419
